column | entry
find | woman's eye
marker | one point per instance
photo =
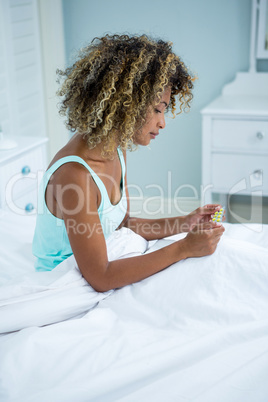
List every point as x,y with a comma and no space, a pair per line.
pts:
157,111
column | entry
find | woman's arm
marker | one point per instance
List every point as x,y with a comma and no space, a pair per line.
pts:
152,229
198,243
88,243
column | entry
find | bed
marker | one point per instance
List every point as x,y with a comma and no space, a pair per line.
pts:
197,331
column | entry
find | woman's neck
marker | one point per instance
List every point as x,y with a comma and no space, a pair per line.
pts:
81,147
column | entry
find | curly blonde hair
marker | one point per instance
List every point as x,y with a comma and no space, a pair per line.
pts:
107,92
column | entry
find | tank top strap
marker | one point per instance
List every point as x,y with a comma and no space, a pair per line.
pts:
123,165
67,159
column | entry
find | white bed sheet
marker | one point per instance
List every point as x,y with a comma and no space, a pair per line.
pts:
197,331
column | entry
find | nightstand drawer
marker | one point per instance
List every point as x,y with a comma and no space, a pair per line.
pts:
26,204
20,175
248,135
239,173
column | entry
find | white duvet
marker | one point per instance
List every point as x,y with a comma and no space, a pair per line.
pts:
197,331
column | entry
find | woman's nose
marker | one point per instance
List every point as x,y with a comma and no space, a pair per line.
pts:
162,122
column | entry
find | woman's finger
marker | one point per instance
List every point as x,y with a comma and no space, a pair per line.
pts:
210,209
206,226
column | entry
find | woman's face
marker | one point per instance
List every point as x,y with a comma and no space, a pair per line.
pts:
155,121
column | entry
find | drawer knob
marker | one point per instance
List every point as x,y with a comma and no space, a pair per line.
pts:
260,135
29,207
257,173
25,170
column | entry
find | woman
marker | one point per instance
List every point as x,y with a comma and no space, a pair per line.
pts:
115,96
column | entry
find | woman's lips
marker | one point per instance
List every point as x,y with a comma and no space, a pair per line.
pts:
154,134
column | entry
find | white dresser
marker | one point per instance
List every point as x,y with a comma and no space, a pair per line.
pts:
21,170
235,140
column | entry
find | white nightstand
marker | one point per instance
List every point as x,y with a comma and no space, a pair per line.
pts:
235,140
21,170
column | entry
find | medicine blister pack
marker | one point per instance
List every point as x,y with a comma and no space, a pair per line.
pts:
217,217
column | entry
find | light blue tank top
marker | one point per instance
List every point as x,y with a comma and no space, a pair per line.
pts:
51,243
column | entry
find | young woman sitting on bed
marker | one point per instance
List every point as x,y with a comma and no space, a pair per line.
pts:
115,96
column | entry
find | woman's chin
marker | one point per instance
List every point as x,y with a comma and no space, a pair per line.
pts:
142,142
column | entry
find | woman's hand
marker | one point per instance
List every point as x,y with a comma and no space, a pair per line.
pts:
202,239
200,215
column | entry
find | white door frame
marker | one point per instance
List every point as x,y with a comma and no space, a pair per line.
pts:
53,57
